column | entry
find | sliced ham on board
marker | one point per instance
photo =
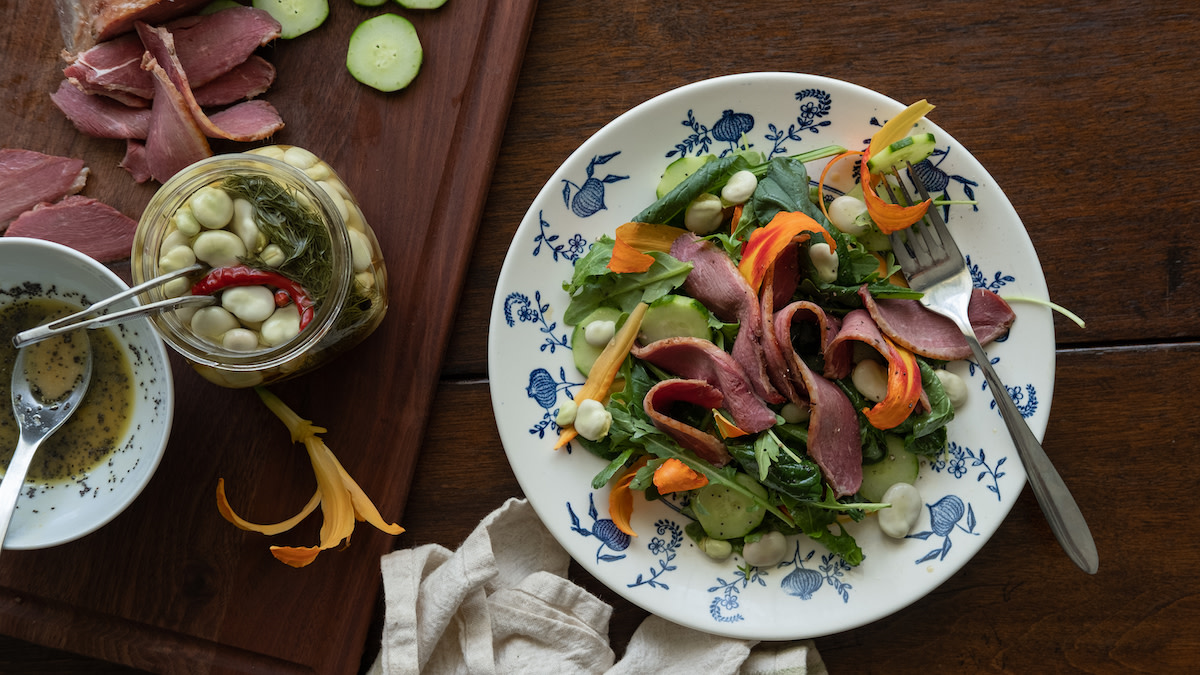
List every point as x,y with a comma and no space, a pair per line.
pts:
28,178
85,224
85,23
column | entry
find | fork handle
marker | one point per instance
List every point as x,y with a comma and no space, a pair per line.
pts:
1059,507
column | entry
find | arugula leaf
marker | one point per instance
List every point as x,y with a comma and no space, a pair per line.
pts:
594,285
815,522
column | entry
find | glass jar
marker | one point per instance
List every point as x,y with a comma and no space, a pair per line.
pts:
302,238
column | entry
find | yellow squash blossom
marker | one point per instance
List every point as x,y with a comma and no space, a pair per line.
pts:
341,500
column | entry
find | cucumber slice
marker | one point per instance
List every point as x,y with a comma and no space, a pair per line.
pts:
908,149
898,466
678,170
584,352
674,316
369,3
385,52
725,513
295,17
420,4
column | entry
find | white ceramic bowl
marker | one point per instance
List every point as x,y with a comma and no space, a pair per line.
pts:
53,513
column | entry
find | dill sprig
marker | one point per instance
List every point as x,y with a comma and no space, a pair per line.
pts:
296,229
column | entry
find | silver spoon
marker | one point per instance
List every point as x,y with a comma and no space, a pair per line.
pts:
41,405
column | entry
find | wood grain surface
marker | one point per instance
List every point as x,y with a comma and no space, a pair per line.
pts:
169,586
1085,113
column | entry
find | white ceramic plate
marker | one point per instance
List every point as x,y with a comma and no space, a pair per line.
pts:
53,513
609,179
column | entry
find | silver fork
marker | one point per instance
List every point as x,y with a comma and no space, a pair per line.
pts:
934,266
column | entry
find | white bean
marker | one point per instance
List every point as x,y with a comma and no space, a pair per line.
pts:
272,151
739,187
240,340
334,196
219,248
768,550
898,519
795,414
318,171
704,214
566,413
249,303
243,224
213,321
272,255
366,280
300,158
360,250
175,238
592,420
177,258
825,262
598,333
956,389
354,219
177,287
849,214
185,221
212,207
281,326
717,549
870,379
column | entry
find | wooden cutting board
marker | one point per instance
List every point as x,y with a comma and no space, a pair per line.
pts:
169,586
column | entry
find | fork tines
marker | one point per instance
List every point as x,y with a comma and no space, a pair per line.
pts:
927,241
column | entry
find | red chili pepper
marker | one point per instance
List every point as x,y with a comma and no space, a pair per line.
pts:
241,275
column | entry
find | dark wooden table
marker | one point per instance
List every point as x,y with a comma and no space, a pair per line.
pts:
1088,115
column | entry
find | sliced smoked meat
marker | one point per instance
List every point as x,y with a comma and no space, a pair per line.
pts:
664,395
85,23
28,178
174,139
247,80
697,359
85,224
248,121
100,116
208,47
834,441
921,331
715,282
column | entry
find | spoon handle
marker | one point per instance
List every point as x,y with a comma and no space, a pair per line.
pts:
14,480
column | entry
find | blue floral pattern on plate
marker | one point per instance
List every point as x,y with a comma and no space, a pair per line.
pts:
967,492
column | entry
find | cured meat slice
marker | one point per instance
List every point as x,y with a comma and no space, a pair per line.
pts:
85,224
834,441
100,116
85,23
247,80
174,139
135,161
28,178
113,69
697,359
715,282
921,331
208,47
255,121
665,394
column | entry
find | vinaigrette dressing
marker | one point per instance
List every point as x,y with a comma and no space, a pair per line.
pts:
92,433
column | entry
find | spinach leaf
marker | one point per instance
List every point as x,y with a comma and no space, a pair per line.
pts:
594,285
788,473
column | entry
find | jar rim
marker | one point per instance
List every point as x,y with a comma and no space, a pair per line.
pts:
155,222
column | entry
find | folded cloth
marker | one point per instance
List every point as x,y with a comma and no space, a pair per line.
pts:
502,603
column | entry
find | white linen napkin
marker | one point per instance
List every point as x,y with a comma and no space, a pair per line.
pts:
502,603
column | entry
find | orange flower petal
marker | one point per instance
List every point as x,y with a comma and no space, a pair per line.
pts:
626,258
888,217
296,556
675,476
275,528
726,428
766,243
903,389
620,498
